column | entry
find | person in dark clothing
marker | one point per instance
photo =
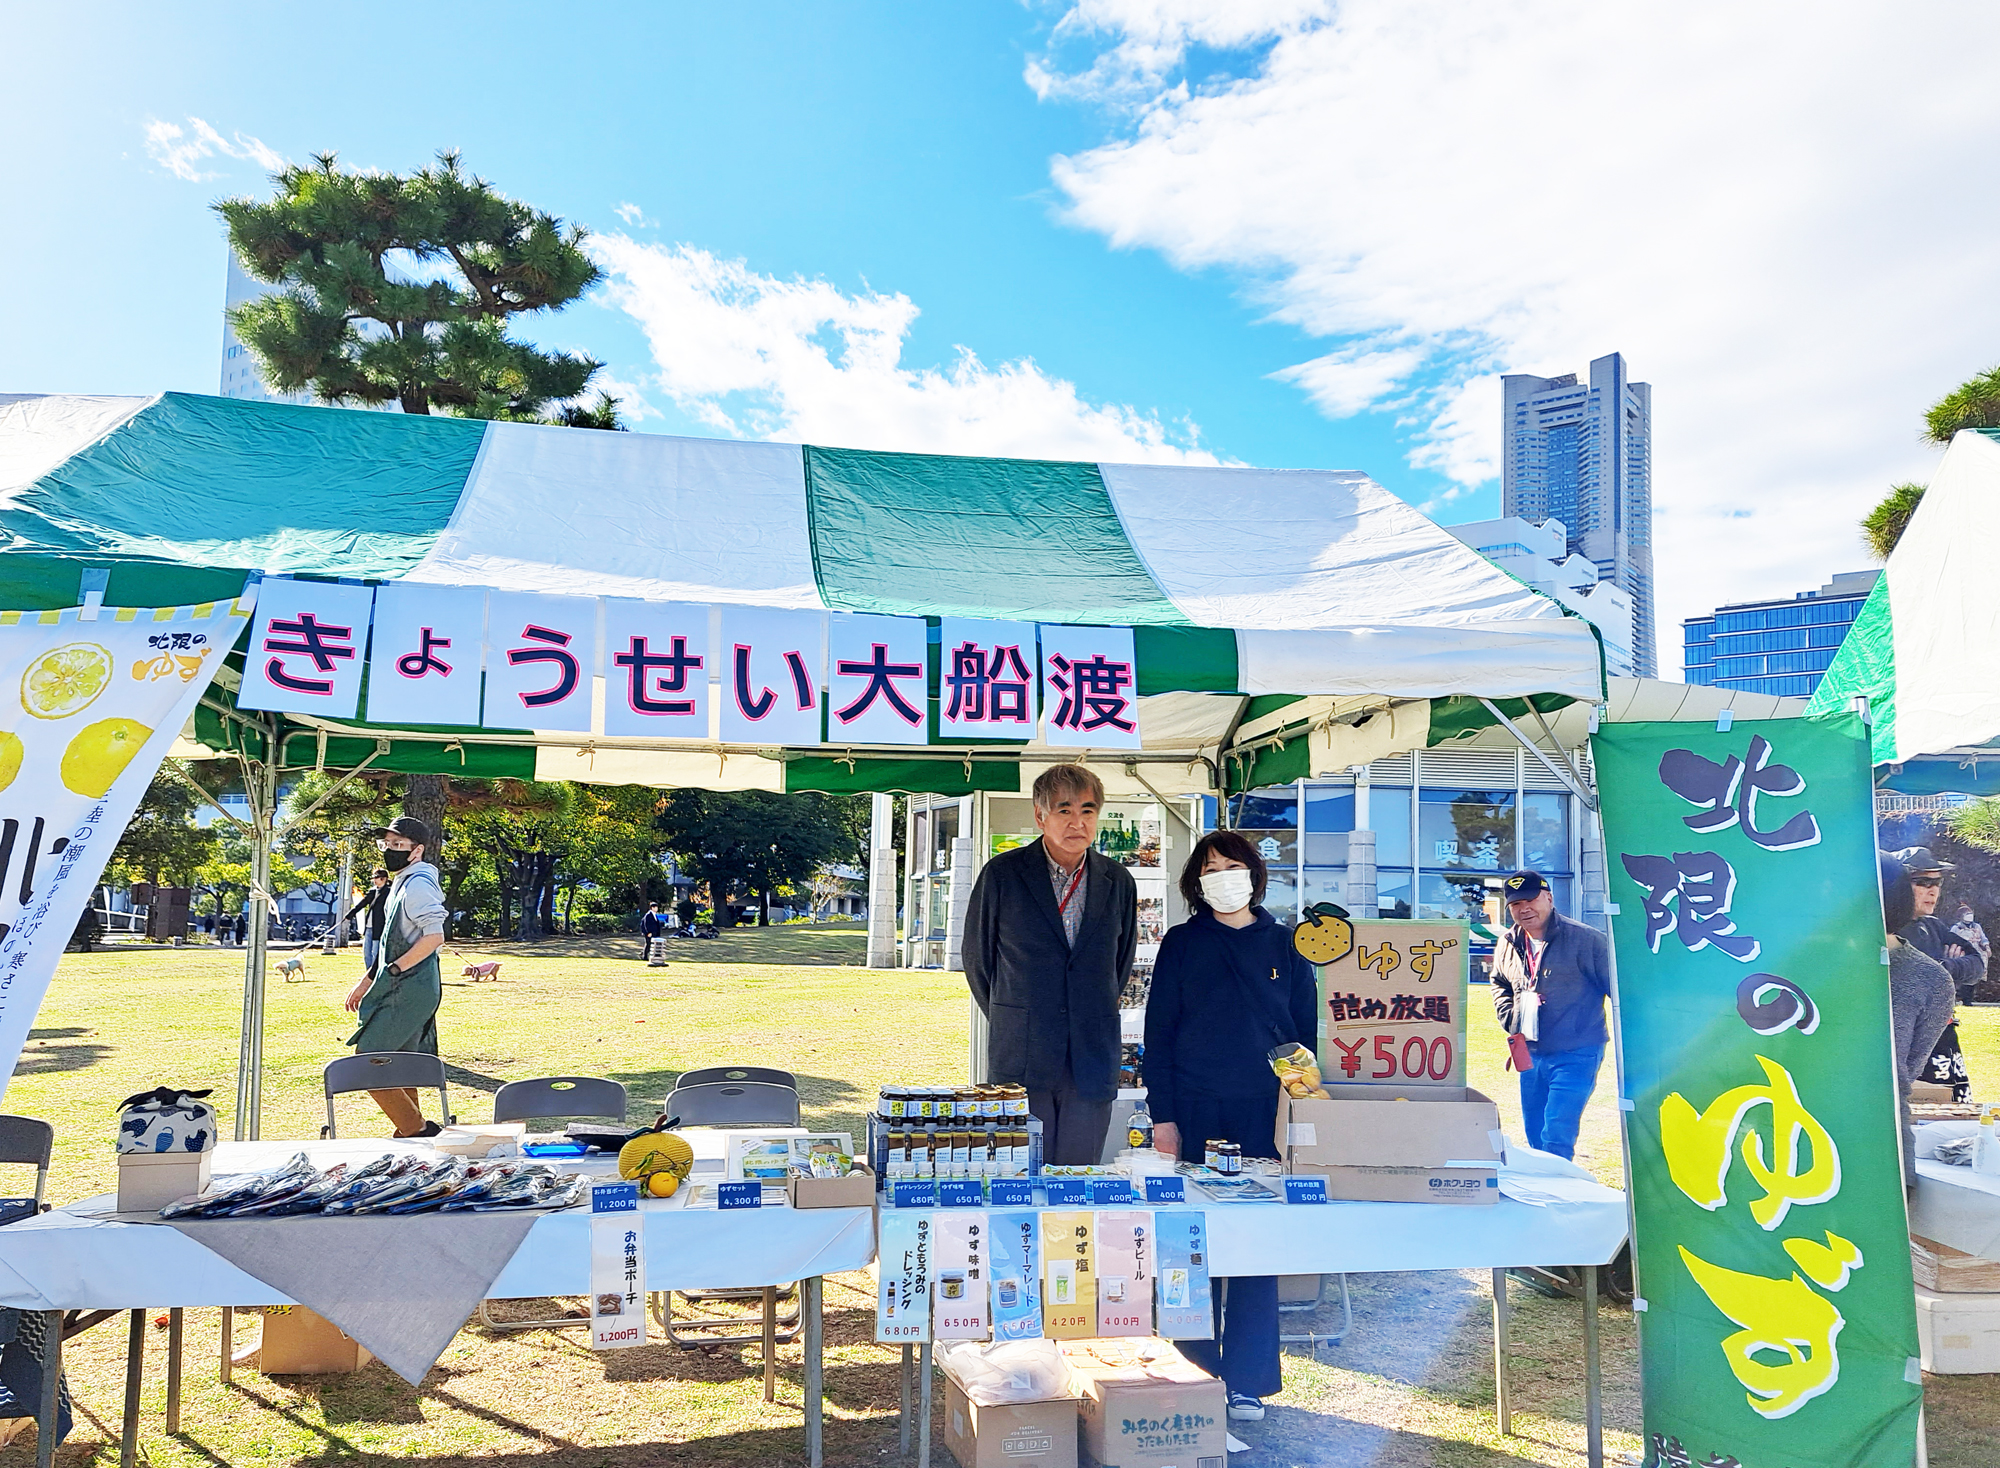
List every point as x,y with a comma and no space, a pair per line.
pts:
1050,933
375,903
1551,976
1920,998
1228,988
1927,933
652,930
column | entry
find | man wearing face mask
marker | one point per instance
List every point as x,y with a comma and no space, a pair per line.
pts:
1551,976
397,999
1229,987
1050,932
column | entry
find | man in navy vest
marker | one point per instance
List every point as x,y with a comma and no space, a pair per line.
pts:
1050,934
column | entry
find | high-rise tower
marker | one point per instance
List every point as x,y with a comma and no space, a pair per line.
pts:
1584,455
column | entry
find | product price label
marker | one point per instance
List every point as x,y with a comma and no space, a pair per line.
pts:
614,1198
1013,1192
1066,1192
960,1193
739,1195
1105,1191
904,1244
914,1193
1305,1190
1170,1189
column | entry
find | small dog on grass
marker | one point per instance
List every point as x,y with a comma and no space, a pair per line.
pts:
294,970
478,972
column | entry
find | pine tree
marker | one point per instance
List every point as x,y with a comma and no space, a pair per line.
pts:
400,289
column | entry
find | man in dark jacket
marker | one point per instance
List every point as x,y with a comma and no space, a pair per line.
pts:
1928,934
1050,934
1551,976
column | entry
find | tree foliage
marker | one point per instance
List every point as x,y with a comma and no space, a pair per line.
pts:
399,289
162,844
1884,525
1974,403
756,841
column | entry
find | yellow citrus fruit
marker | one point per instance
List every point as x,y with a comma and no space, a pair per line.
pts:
663,1185
99,753
656,1152
10,759
65,680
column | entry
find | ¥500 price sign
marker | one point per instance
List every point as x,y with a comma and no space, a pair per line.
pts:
1392,1009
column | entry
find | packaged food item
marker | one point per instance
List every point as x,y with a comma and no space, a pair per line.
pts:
1211,1153
1298,1072
1229,1159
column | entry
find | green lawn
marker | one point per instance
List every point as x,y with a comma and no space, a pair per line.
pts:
1411,1385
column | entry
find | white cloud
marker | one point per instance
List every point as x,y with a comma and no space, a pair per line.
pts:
635,217
1774,221
755,356
178,149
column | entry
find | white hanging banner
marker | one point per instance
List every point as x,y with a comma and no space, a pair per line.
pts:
1125,1273
986,679
772,663
306,648
903,1263
1090,698
656,663
91,709
541,654
617,1268
876,679
424,660
959,1285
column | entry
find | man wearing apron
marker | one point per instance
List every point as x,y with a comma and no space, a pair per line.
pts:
397,1000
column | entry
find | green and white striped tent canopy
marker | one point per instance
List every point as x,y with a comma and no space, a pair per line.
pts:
1925,648
1286,621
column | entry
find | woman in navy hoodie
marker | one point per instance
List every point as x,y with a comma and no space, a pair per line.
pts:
1228,987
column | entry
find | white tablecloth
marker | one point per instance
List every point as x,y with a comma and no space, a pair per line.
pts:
69,1259
1369,1238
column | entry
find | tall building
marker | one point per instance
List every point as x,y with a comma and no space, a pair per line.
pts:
1539,556
240,378
1583,455
1781,647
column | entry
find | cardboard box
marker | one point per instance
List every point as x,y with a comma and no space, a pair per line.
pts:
297,1342
1141,1404
1033,1434
1386,1145
856,1190
1930,1093
148,1181
1950,1271
1958,1335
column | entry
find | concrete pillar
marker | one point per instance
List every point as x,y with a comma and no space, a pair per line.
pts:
1591,872
961,899
881,884
1361,874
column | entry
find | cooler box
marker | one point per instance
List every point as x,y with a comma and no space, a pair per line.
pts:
1958,1335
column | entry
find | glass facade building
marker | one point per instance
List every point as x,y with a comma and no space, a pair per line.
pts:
1778,647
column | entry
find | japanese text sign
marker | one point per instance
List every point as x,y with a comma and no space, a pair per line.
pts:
1769,1228
903,1246
771,667
1090,688
541,661
876,679
656,667
1392,1009
987,688
306,648
617,1276
964,1266
96,705
1125,1260
1069,1277
424,661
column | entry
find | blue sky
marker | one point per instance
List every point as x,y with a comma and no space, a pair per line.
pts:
1099,230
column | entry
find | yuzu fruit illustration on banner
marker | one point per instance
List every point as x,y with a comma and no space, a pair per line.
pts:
65,680
99,753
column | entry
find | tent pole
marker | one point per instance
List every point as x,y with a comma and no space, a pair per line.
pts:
262,790
1572,781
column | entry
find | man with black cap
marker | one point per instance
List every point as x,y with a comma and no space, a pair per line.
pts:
398,998
1551,976
1927,933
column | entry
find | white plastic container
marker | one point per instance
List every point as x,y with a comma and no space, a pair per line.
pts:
1958,1334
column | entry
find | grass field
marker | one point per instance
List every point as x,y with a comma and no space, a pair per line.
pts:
1411,1385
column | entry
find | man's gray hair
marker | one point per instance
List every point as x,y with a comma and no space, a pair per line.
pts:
1058,781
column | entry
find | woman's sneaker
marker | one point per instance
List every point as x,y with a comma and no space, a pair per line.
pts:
1245,1408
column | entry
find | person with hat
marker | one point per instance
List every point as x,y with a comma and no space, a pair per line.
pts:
1920,996
397,999
1551,976
1927,933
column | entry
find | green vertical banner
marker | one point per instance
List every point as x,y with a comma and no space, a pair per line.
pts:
1771,1243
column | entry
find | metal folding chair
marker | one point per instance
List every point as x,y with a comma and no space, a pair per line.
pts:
710,1075
1301,1304
726,1100
575,1096
31,1143
386,1070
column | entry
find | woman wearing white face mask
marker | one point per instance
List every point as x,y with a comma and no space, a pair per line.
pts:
1228,987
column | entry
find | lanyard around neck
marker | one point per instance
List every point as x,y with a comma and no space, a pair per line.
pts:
1062,904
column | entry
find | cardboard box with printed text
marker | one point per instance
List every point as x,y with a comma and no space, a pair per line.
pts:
1376,1144
1142,1404
1032,1434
